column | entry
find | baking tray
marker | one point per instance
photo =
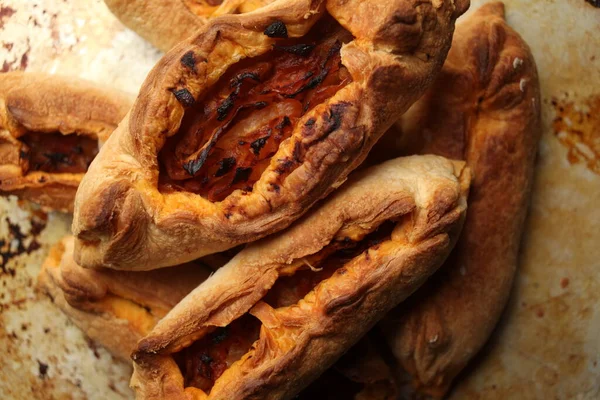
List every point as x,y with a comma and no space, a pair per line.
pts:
547,345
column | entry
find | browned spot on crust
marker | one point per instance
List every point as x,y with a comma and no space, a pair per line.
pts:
5,13
564,282
577,127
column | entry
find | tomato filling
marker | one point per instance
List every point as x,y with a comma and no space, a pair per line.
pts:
226,139
205,361
58,153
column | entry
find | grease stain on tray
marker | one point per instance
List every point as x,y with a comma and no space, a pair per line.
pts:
577,127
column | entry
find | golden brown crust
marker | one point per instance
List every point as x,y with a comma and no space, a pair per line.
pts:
164,23
484,108
425,194
114,308
43,104
119,209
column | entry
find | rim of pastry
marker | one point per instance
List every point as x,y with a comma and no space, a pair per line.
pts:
425,199
126,216
40,111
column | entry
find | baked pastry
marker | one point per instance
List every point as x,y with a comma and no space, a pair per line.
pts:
241,129
49,132
115,308
164,23
285,308
483,108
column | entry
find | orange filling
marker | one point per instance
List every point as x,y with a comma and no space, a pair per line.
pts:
205,361
227,139
57,153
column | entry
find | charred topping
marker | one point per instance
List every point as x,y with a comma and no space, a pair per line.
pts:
241,175
276,30
229,102
287,82
310,122
276,187
189,61
184,97
284,122
24,155
298,49
225,165
258,144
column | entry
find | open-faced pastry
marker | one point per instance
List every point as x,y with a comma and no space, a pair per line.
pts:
115,308
285,308
49,132
238,131
483,108
164,23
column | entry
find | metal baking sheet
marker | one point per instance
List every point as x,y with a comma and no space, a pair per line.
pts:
548,343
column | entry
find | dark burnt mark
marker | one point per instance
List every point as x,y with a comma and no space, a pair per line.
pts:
43,369
228,215
341,271
259,105
46,330
310,122
276,30
236,83
276,188
220,335
226,106
193,166
333,119
42,179
241,175
258,144
189,61
184,97
241,142
284,165
595,3
24,155
313,83
225,165
237,80
78,149
284,122
297,151
302,50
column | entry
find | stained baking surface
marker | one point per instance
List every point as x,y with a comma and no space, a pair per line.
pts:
547,343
